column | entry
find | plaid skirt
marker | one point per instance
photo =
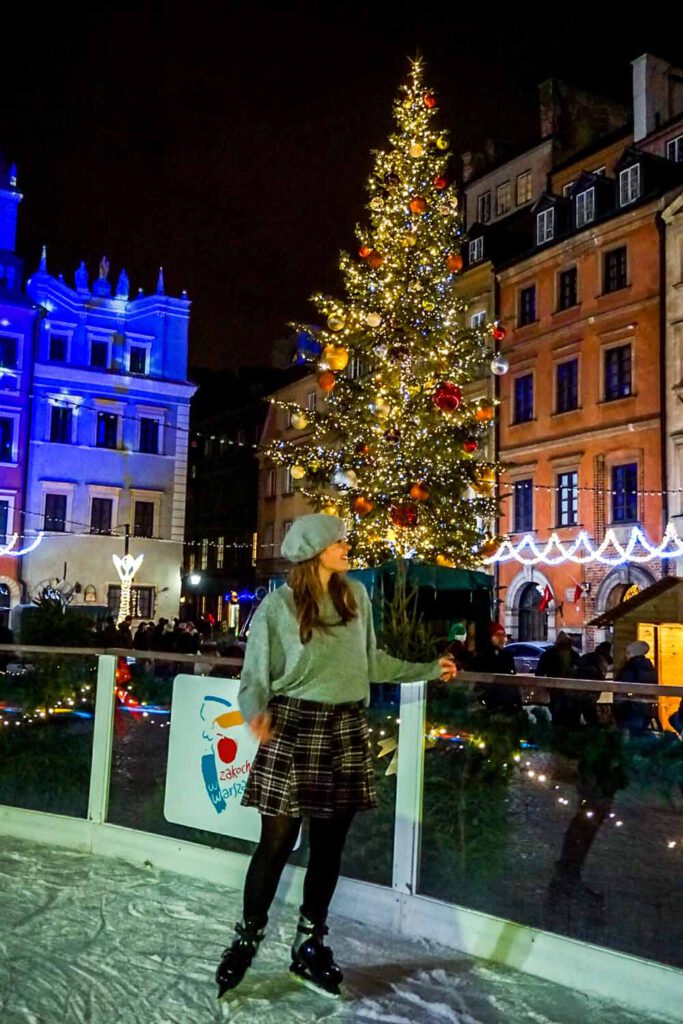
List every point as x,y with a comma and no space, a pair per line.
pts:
317,764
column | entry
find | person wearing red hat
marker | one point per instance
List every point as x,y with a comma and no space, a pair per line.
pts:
494,658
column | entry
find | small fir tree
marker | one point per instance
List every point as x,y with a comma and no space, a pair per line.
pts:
398,443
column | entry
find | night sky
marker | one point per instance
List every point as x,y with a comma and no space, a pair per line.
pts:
231,142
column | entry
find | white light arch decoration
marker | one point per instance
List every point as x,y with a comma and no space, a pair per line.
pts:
582,551
126,567
10,550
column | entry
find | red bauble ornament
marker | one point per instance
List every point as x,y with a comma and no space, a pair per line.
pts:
326,381
419,492
499,333
429,100
447,397
418,204
454,262
362,505
440,182
375,259
364,251
362,449
404,515
470,446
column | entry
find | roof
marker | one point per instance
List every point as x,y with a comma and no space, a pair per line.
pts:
660,587
420,574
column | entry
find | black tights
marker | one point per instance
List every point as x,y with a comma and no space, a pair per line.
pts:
278,836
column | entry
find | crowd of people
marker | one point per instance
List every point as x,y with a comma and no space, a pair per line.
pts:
170,635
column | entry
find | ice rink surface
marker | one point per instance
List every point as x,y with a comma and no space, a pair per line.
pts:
89,940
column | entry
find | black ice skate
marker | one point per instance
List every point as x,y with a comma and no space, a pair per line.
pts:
312,962
237,958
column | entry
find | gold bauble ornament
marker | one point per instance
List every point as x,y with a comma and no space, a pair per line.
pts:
442,142
335,356
373,319
299,421
377,203
445,210
408,240
416,150
489,548
427,305
329,510
297,472
445,562
336,322
381,408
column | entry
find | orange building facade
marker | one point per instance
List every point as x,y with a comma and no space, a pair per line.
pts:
581,427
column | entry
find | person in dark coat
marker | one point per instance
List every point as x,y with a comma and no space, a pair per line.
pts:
635,715
494,658
561,661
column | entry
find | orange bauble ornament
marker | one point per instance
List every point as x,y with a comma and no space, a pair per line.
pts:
484,413
375,259
362,505
364,251
440,182
336,357
454,262
418,204
429,100
326,381
419,492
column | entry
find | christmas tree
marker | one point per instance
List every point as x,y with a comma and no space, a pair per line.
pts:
398,446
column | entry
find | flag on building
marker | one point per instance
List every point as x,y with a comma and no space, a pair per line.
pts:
548,596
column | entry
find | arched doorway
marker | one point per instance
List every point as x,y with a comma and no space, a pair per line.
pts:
533,623
5,598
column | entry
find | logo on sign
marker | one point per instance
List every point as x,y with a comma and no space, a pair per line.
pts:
224,774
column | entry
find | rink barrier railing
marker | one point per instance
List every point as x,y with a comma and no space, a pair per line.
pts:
637,983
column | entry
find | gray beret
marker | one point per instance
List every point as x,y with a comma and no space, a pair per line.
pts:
309,535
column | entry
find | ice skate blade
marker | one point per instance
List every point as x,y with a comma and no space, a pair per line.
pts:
304,979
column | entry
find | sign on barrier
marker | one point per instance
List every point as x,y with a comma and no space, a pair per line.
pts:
210,754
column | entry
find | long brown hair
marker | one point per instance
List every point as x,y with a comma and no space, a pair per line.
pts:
304,579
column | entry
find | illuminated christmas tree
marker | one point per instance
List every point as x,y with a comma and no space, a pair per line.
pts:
398,447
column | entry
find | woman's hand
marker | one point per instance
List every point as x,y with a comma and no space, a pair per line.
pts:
262,726
448,668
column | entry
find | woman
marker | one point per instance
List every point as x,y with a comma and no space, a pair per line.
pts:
310,658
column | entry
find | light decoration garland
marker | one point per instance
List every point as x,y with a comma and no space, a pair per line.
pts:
126,567
10,550
582,551
399,365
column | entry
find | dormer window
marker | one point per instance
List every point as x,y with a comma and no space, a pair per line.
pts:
545,226
674,150
476,249
629,185
585,207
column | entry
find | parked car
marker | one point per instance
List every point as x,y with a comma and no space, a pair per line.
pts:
527,653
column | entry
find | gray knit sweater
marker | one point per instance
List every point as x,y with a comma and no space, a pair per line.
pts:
337,665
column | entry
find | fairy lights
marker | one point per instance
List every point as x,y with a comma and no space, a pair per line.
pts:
582,551
11,551
126,567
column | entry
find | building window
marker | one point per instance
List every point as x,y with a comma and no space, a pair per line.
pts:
288,482
523,509
524,398
545,226
149,435
629,185
271,483
101,515
523,188
57,348
6,438
567,292
143,522
674,149
617,372
55,513
625,493
355,368
615,269
61,424
476,249
311,401
585,207
141,601
99,354
4,520
204,554
484,208
8,352
503,198
268,540
137,360
220,552
527,305
107,430
567,499
568,386
478,319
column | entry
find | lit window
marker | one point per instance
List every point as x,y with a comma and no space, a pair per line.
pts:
477,319
523,188
503,198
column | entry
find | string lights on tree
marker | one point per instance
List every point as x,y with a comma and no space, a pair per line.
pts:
398,446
